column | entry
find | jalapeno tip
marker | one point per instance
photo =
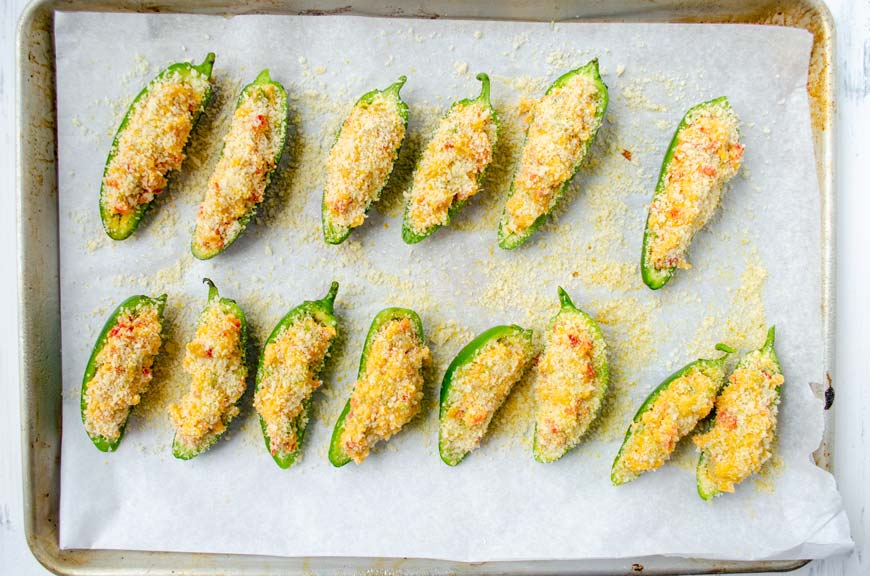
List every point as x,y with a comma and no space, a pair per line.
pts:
212,289
484,87
207,64
564,298
724,348
330,296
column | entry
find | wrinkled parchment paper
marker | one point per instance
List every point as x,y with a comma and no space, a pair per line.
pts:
403,501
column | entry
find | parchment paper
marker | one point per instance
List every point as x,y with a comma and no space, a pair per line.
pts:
403,501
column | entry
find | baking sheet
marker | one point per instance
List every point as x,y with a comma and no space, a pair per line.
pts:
758,262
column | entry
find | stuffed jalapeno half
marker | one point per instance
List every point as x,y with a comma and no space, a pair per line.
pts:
571,381
740,441
150,143
289,374
389,388
251,152
215,360
704,154
564,124
361,160
452,166
476,384
670,412
119,370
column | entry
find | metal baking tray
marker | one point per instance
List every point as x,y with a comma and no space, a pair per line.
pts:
38,260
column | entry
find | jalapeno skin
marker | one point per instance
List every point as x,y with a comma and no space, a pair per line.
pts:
102,443
706,490
323,311
509,241
702,364
653,277
333,233
262,79
465,356
409,235
602,371
120,227
337,456
178,450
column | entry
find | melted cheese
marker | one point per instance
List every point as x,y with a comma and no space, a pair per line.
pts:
123,371
564,120
706,155
362,158
290,366
215,364
238,183
740,441
452,165
566,385
478,388
152,142
388,394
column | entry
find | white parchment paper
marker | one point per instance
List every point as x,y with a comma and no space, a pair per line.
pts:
403,501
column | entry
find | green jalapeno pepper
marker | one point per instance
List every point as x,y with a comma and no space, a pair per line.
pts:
478,151
746,411
336,232
179,450
131,305
574,363
657,276
207,242
321,311
337,455
676,406
468,402
509,238
120,225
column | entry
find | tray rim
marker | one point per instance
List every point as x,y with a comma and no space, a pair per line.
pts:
37,175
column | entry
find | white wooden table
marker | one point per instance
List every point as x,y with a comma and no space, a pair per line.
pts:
852,368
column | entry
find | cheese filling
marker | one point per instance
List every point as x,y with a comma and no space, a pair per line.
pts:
362,158
291,363
706,155
740,441
452,165
388,394
564,120
123,371
566,387
251,149
152,143
673,414
478,388
215,364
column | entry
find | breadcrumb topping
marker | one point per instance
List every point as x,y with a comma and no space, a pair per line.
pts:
563,122
215,364
706,155
478,388
673,414
291,363
452,164
123,372
740,441
152,143
239,181
362,158
388,394
567,396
